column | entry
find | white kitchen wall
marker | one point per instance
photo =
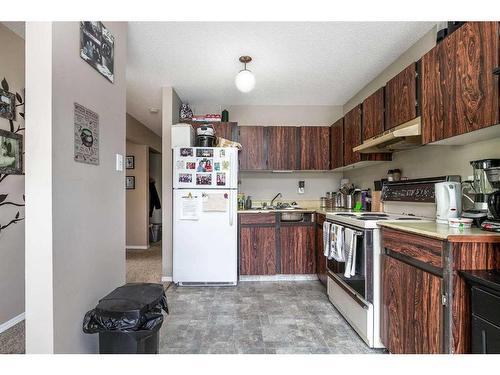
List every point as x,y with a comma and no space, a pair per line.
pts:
428,161
264,185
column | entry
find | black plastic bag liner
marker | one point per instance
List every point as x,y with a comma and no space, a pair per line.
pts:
132,307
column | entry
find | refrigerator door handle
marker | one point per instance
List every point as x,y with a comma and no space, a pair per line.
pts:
231,209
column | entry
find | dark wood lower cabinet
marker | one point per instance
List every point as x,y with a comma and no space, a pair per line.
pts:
257,250
297,249
320,257
412,314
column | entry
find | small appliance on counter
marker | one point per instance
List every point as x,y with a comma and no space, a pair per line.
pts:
481,189
205,136
493,221
448,201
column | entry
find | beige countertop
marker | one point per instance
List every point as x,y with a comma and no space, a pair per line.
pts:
302,209
443,231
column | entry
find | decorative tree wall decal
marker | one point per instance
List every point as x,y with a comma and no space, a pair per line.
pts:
3,197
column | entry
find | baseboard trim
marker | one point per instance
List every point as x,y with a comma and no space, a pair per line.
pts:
166,279
11,323
306,277
136,247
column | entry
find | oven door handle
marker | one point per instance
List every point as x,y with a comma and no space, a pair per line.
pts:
348,290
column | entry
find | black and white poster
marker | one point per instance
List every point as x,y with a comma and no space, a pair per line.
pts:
97,47
86,135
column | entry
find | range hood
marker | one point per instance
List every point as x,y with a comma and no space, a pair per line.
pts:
402,137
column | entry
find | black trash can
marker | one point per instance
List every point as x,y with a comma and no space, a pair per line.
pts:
128,319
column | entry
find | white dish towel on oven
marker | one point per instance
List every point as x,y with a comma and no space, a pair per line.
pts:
326,238
350,237
337,243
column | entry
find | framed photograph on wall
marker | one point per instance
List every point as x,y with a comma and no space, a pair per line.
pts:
97,47
11,153
7,105
129,162
130,182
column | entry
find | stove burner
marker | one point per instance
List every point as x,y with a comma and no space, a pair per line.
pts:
345,215
408,218
377,215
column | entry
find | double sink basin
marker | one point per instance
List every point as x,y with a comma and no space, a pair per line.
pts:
287,213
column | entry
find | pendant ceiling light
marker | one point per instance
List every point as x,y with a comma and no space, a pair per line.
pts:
245,80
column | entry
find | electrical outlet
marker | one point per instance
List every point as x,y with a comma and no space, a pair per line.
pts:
302,185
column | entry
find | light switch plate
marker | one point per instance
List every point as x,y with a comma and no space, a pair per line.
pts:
119,162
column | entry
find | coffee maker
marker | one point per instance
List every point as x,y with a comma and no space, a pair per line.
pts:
493,221
481,190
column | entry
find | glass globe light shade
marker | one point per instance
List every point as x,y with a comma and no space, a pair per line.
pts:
245,81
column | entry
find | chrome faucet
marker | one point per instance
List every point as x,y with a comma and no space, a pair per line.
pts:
277,196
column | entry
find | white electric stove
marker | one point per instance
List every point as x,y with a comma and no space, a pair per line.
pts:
358,297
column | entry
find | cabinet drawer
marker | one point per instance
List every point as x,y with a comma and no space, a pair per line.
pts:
423,249
486,305
485,337
260,218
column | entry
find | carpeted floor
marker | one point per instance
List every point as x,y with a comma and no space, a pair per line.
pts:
144,265
12,340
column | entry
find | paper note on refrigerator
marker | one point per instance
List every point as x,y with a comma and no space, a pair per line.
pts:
189,208
215,202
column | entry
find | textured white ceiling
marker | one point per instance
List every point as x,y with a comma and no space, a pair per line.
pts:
299,63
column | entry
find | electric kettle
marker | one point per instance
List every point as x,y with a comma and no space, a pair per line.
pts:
448,201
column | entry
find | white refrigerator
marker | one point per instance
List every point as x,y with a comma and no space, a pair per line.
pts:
205,204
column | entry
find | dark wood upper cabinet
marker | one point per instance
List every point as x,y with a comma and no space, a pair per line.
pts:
373,114
459,91
282,150
438,89
297,249
253,155
352,135
315,148
337,144
476,87
401,97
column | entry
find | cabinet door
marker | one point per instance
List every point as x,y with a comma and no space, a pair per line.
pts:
315,148
401,98
477,54
352,135
411,315
253,150
282,148
257,250
320,257
373,114
438,90
297,249
337,144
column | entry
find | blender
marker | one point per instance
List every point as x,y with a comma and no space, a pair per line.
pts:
481,190
493,221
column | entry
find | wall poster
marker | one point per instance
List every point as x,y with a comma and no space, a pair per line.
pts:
86,135
97,47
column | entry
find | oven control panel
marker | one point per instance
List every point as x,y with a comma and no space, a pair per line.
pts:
418,190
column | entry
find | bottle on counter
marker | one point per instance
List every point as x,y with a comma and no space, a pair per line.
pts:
241,201
248,203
